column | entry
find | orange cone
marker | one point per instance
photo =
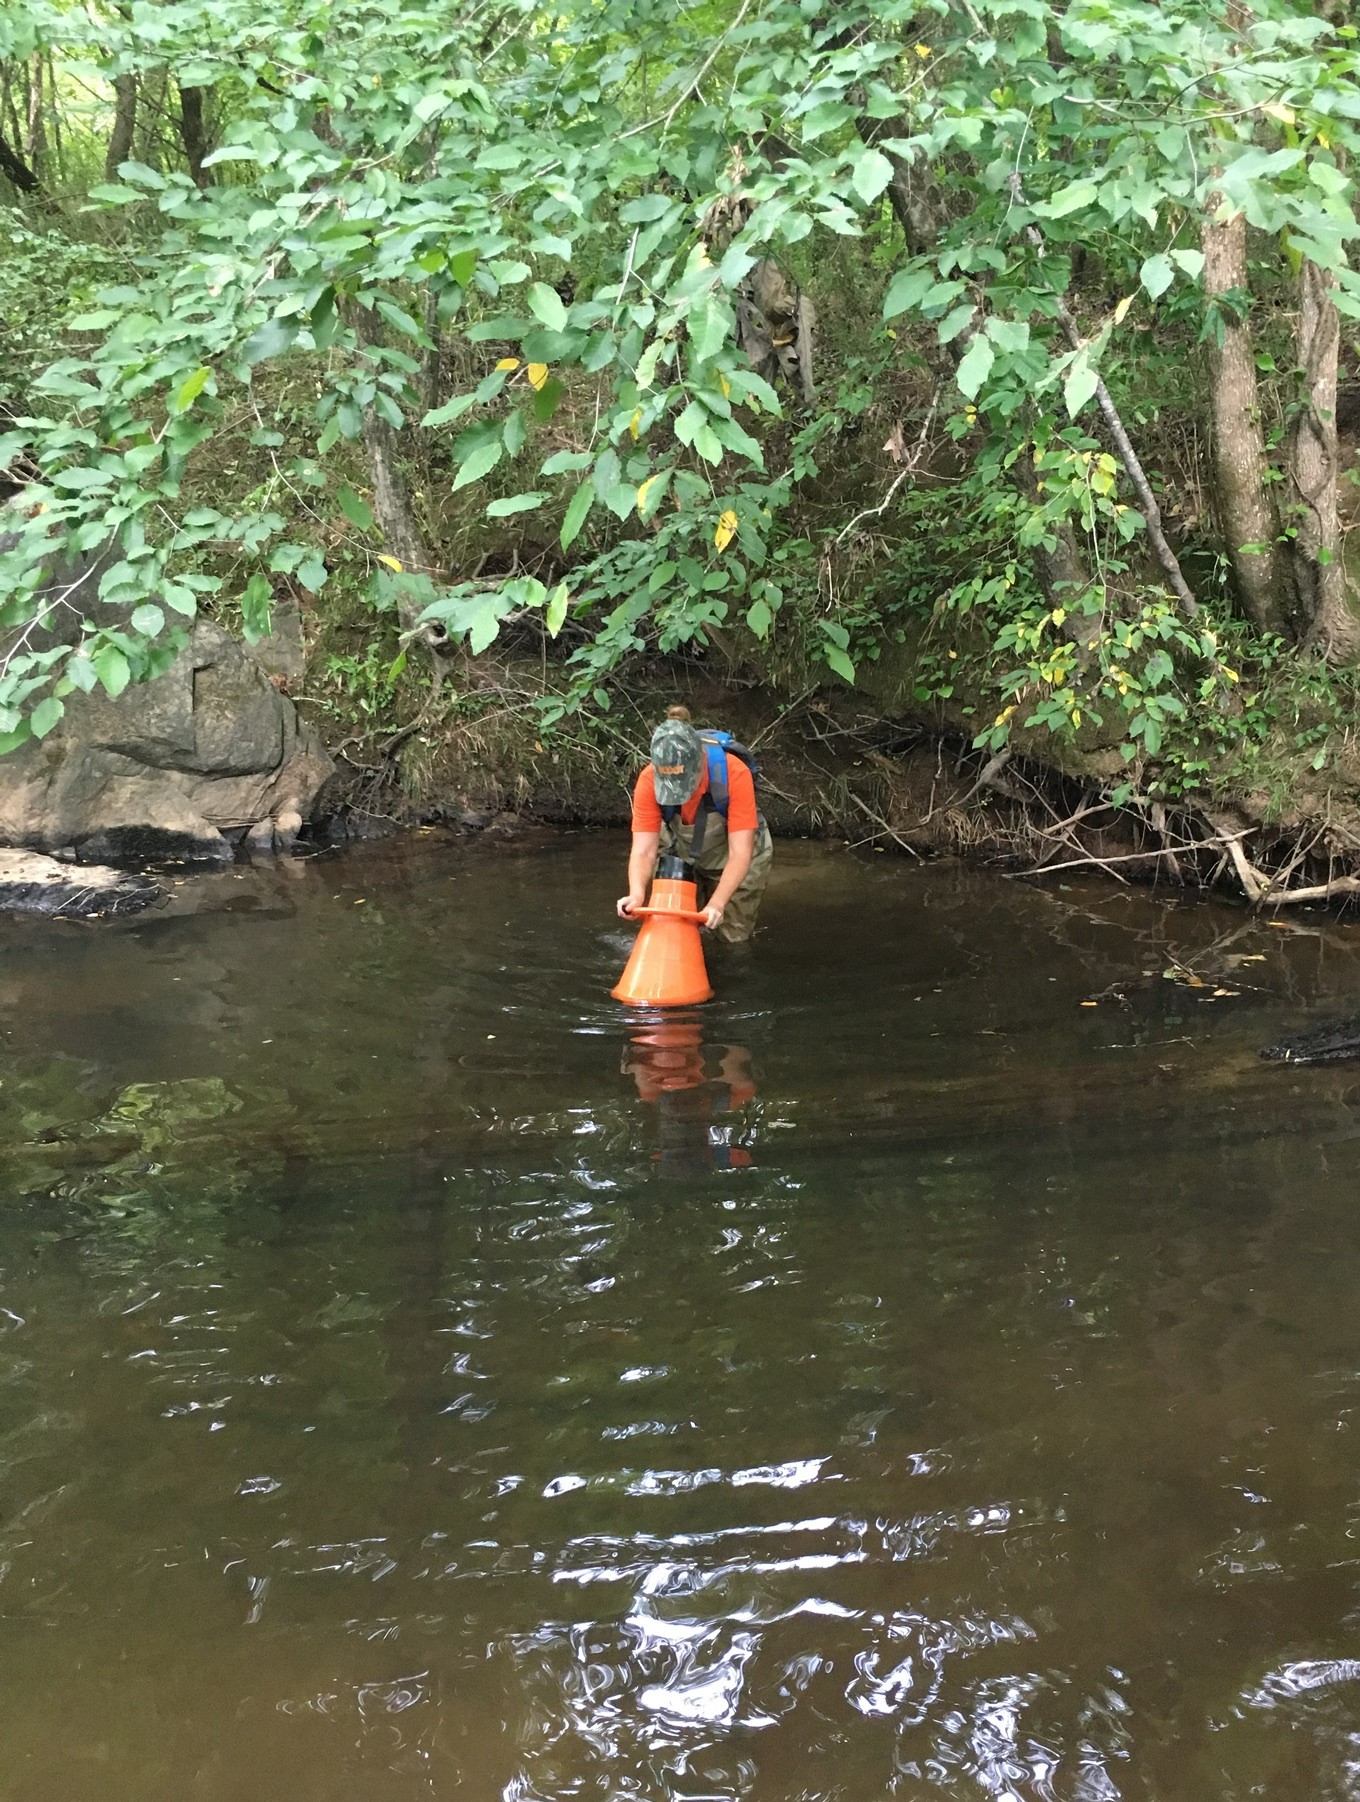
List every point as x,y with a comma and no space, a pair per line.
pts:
667,966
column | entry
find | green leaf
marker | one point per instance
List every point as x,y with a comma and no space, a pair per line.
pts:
257,603
111,666
545,304
555,617
311,572
562,461
190,389
975,367
1191,261
708,328
479,462
1157,274
183,600
872,174
147,619
1071,199
1079,384
356,511
269,340
1011,335
452,409
515,503
708,444
759,618
645,209
645,374
907,289
581,503
953,323
45,715
80,479
838,661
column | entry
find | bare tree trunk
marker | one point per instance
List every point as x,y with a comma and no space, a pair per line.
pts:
151,114
392,506
432,368
1246,512
1319,567
16,170
192,132
124,124
37,137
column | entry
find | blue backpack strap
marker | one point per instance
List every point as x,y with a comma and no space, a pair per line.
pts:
715,744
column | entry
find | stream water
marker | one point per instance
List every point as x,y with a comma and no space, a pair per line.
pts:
899,1377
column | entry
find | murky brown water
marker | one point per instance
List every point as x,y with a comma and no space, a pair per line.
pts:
894,1379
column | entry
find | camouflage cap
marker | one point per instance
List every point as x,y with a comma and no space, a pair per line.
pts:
677,755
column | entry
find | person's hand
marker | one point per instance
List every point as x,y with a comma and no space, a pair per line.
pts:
713,917
628,904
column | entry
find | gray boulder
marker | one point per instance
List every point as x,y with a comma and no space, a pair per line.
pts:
178,768
30,883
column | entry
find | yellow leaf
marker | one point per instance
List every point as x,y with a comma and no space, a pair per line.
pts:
642,493
923,51
1324,140
1122,309
703,260
1005,714
727,530
508,363
537,374
1276,109
391,563
1076,716
1058,615
635,423
724,384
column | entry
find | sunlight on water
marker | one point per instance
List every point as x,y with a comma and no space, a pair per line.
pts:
420,1378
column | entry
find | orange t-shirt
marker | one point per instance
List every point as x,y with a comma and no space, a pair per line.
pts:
742,814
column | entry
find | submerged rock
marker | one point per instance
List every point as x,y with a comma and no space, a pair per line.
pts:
30,883
178,768
1334,1044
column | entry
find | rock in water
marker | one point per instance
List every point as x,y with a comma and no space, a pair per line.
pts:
1334,1044
178,768
30,883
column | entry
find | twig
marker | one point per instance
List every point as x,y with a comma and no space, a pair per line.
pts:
882,824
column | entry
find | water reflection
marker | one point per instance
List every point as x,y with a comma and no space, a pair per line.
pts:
371,1426
694,1089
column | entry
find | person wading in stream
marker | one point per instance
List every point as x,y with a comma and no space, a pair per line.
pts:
696,799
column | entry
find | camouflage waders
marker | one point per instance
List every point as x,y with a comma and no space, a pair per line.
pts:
739,916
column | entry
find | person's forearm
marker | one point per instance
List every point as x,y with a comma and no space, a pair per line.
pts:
734,874
641,862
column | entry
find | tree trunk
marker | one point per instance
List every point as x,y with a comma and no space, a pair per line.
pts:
124,124
1319,567
16,170
37,136
392,506
432,367
193,134
151,115
1246,512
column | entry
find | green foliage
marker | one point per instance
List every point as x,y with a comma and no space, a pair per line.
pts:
574,202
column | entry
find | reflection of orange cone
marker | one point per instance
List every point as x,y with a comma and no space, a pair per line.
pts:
667,968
